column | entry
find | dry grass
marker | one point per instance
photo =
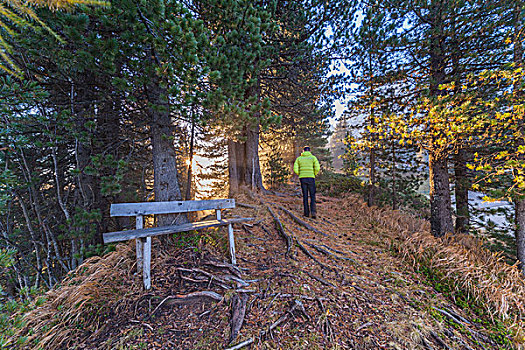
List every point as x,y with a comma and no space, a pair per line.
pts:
460,259
76,307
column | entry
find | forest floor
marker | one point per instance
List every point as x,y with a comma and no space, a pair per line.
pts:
338,282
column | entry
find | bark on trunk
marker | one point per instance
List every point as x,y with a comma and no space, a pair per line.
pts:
462,185
233,174
245,155
372,178
519,207
440,204
165,175
252,176
394,184
519,201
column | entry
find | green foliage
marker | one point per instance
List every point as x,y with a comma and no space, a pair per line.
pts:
336,184
276,171
11,315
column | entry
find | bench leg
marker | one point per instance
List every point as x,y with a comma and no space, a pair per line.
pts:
140,254
139,244
232,244
146,273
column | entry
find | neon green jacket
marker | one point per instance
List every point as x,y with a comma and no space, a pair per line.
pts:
306,165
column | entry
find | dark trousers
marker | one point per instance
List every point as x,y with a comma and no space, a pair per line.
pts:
308,188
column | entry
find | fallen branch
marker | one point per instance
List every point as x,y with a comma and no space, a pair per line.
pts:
241,345
297,305
219,264
302,222
224,279
280,229
238,313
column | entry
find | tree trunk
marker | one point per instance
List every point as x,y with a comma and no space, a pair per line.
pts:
252,176
166,182
372,122
372,178
519,200
190,164
440,204
233,173
519,207
394,185
462,185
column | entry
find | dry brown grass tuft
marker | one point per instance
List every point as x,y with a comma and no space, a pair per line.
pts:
460,259
77,306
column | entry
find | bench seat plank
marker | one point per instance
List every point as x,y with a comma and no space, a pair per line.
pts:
172,207
111,237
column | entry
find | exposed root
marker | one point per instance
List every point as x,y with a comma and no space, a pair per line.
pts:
302,222
326,252
244,205
321,280
307,252
189,298
280,229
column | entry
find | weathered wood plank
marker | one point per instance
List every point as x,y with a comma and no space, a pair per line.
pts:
110,237
173,207
146,274
232,244
139,225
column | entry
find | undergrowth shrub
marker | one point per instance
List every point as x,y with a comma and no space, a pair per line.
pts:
336,184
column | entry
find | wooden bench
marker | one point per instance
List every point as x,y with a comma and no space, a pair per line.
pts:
143,236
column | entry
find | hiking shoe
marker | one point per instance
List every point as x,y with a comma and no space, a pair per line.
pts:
314,216
306,215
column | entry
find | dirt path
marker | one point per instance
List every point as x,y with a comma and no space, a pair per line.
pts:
342,285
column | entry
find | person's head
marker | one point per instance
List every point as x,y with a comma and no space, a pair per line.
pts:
307,149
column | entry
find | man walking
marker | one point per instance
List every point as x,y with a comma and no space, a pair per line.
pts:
307,167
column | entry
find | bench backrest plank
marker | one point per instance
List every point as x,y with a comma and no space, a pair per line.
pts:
173,207
111,237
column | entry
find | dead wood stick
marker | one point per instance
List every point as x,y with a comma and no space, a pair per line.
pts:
219,264
222,279
142,323
238,313
440,341
241,345
319,279
205,280
302,222
284,317
280,229
307,252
